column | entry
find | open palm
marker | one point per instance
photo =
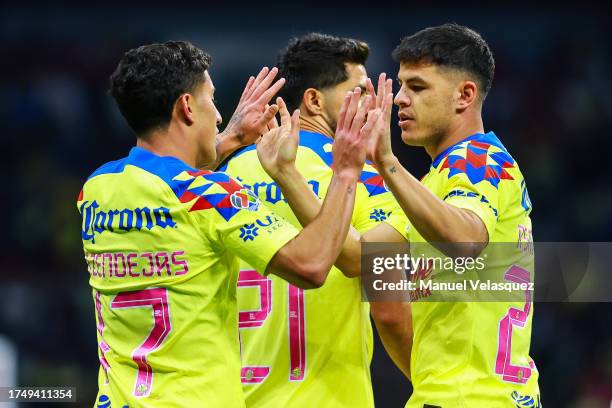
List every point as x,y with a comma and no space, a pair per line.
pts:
379,147
277,149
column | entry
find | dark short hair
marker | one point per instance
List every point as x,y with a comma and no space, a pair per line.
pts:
453,46
149,79
317,61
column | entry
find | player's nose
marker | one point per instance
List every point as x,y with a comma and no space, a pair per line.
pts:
219,118
402,99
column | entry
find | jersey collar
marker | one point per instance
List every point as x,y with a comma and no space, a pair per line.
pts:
139,156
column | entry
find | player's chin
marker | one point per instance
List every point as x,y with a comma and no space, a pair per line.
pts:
410,137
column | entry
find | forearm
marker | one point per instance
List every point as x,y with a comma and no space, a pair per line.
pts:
321,240
324,235
393,322
301,198
435,220
306,205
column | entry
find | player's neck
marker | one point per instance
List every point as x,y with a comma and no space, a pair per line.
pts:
456,133
316,125
168,143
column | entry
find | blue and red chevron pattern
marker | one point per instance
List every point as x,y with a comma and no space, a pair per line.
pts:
373,182
472,159
208,196
317,142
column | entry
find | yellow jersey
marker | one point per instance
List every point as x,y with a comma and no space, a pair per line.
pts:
162,242
474,354
308,348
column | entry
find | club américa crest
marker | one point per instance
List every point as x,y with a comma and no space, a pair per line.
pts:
244,199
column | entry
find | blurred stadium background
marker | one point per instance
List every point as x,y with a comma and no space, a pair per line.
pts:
551,104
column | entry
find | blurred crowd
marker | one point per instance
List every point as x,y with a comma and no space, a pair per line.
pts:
550,104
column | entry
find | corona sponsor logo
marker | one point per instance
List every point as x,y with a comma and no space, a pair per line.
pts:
96,221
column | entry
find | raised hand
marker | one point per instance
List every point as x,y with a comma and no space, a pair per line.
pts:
253,113
277,148
352,135
379,149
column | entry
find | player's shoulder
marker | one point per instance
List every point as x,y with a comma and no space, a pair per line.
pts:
318,144
185,181
164,167
115,166
322,147
209,178
479,157
204,190
486,144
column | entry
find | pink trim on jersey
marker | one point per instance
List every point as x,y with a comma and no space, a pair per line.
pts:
297,335
253,374
102,344
514,317
255,318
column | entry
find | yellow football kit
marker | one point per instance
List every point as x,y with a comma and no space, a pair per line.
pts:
476,354
162,242
308,348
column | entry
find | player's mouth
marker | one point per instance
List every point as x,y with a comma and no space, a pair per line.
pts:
405,119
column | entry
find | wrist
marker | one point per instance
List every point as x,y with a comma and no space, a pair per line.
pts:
348,175
227,143
287,174
387,164
232,137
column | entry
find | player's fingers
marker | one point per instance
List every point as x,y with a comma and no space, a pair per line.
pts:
260,76
295,126
381,95
264,84
284,113
388,106
343,109
273,90
267,116
372,92
360,115
352,108
247,88
366,130
273,123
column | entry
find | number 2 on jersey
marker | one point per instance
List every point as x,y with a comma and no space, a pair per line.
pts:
256,318
514,317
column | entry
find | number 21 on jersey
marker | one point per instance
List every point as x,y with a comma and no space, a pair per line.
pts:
256,318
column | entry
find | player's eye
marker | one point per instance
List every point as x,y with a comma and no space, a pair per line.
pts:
417,88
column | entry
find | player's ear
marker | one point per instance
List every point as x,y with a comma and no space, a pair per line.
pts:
467,93
183,107
312,102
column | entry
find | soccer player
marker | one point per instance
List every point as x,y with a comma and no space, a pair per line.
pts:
464,354
162,238
314,348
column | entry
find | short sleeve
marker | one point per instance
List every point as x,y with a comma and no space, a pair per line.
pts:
375,204
482,198
237,220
